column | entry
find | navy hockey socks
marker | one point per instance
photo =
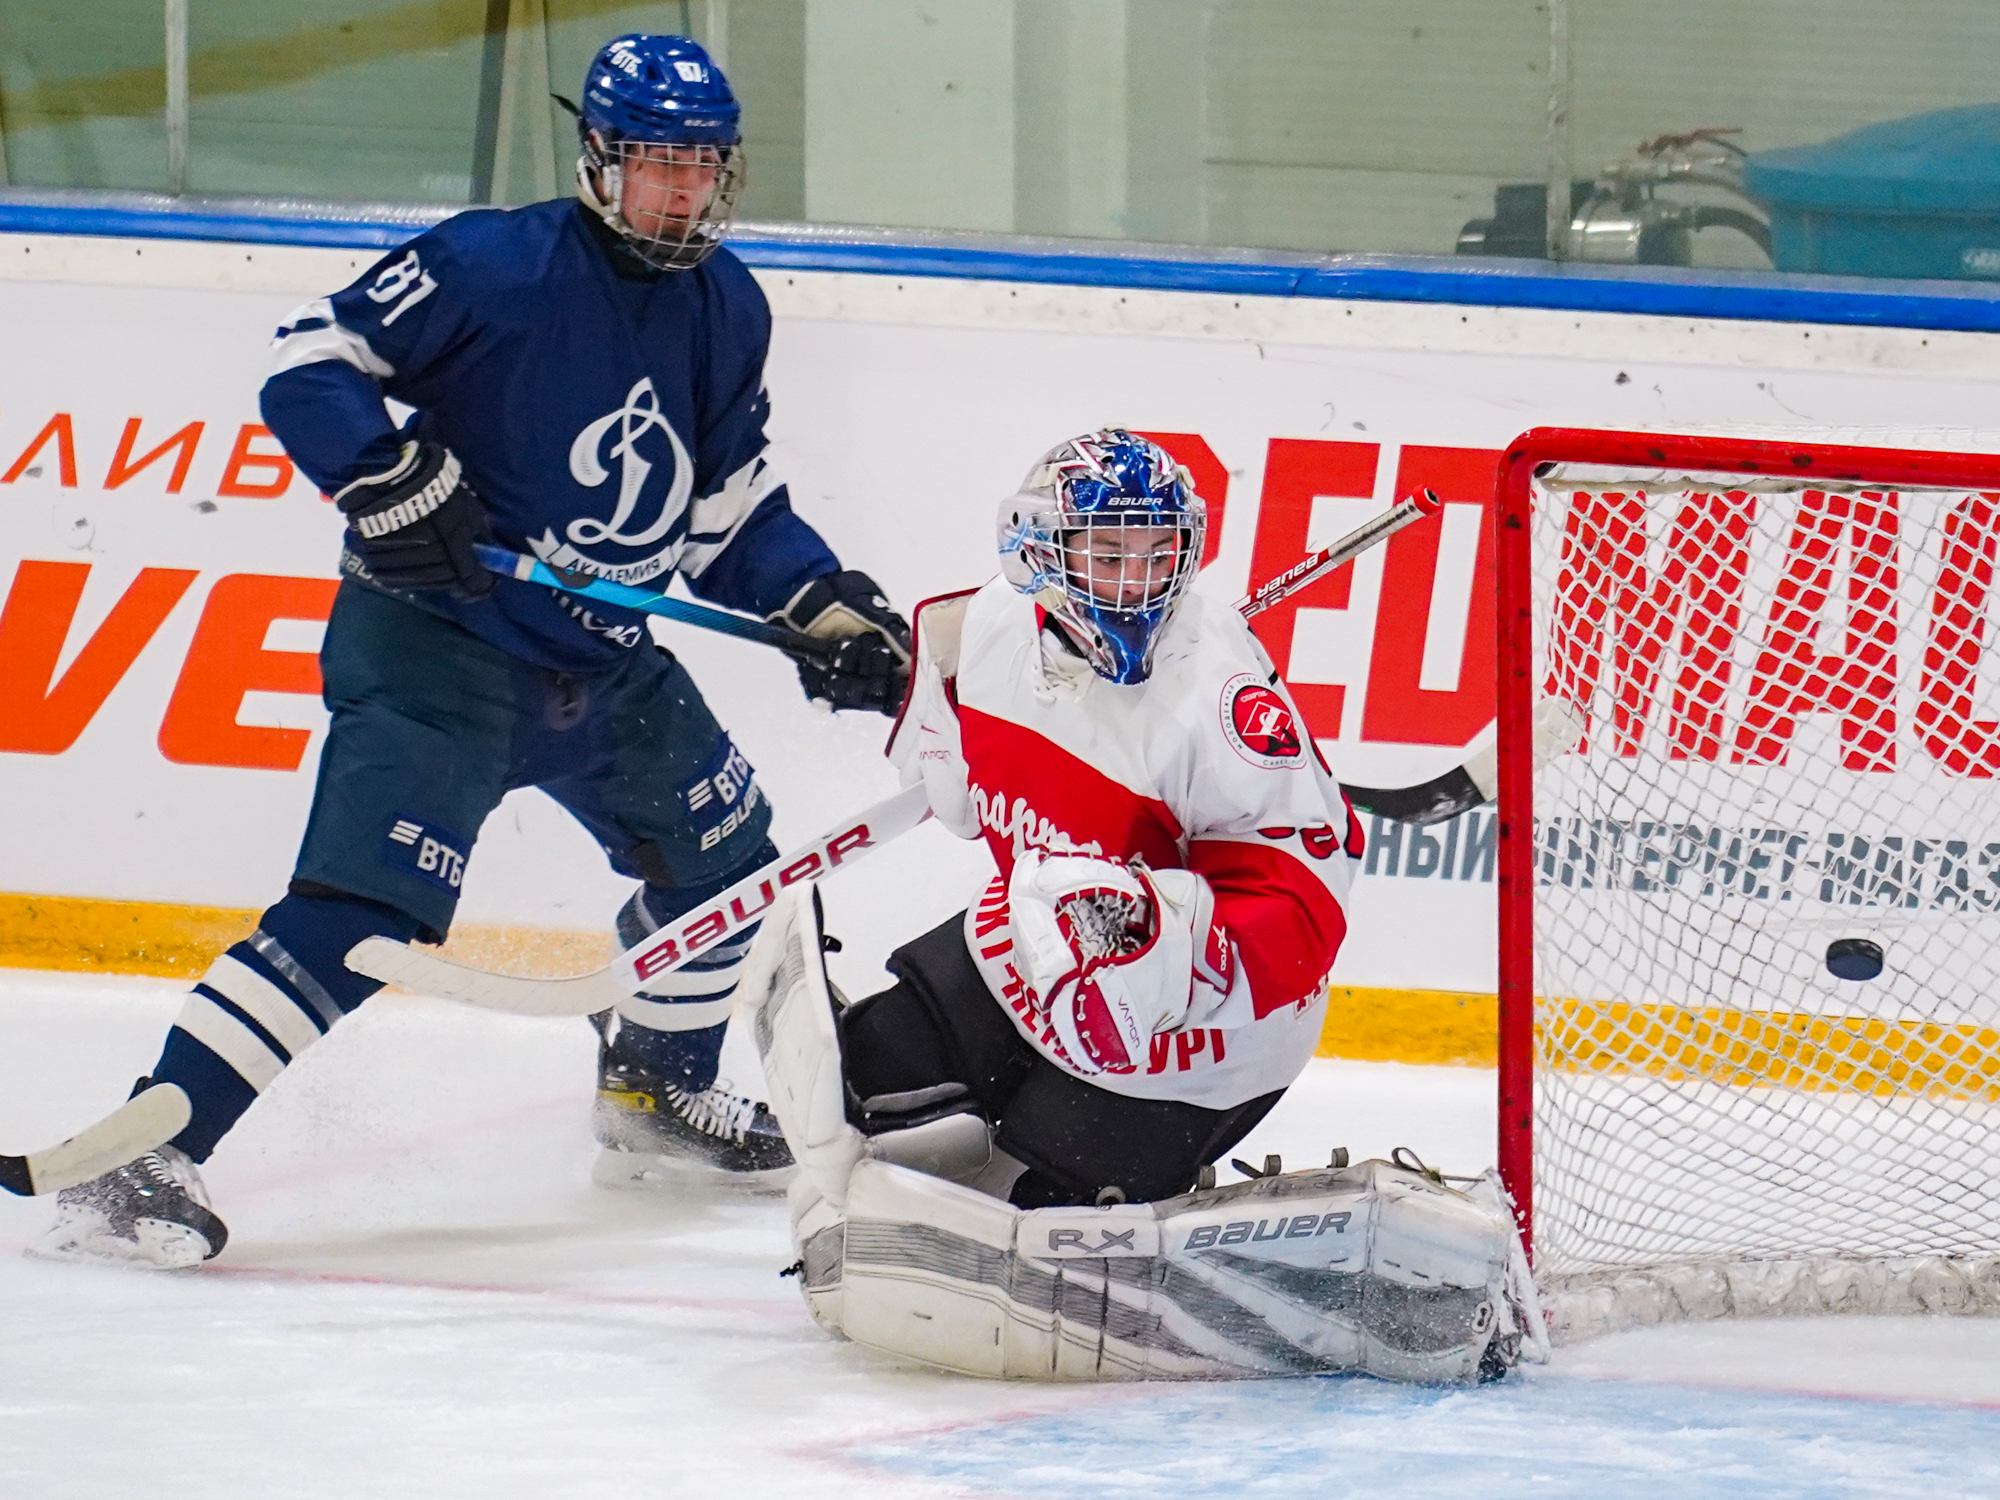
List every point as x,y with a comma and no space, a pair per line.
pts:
687,1059
264,1002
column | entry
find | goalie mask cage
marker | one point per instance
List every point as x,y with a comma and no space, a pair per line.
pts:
1779,651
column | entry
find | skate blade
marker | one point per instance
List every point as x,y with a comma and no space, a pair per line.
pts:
158,1247
628,1171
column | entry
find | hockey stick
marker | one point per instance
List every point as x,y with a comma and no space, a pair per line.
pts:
1442,797
688,935
145,1122
1558,727
1409,509
532,570
517,565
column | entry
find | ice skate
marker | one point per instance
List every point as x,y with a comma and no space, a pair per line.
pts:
645,1122
153,1213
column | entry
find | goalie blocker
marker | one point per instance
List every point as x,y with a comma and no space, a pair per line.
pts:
1374,1268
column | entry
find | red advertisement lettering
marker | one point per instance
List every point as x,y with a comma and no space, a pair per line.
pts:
40,719
1607,603
182,444
63,432
1792,678
1297,471
1963,745
235,481
228,659
1399,707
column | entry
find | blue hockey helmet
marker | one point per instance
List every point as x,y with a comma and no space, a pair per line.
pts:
1106,535
662,159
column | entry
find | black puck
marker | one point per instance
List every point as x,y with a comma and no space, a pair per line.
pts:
1853,958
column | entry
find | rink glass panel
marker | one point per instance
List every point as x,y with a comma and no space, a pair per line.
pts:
1316,125
1791,740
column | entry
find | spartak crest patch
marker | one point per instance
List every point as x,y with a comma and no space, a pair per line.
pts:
1260,724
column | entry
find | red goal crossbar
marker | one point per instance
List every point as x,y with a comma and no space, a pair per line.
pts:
1642,452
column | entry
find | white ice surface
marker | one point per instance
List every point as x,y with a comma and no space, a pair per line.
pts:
423,1296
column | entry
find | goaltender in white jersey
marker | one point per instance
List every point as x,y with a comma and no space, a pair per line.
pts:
1204,767
1137,986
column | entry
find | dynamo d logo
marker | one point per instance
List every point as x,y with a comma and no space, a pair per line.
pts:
617,437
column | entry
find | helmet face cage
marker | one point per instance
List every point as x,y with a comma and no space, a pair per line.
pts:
1107,535
662,160
691,209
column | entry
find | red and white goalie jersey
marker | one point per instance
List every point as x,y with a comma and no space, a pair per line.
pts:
1205,767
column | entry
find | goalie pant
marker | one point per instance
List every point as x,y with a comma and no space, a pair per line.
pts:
1368,1268
1205,767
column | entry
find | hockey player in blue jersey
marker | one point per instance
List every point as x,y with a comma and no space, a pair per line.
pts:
587,383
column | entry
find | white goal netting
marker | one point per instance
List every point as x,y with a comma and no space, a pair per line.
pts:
1787,776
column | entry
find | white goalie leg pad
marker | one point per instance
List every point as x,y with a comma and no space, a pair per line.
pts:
790,1007
1436,1291
1370,1268
926,1267
819,1233
1524,1322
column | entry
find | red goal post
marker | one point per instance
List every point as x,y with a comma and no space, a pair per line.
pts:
1635,490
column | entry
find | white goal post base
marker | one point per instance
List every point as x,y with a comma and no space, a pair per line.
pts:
1750,924
1588,1305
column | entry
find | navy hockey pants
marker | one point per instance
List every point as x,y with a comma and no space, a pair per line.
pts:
431,727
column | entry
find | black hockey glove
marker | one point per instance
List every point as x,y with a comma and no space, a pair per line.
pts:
871,660
415,525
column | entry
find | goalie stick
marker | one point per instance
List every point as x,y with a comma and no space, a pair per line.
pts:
736,908
145,1122
1473,782
1308,570
689,934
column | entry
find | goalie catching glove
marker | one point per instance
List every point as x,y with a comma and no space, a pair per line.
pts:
415,525
871,655
1115,954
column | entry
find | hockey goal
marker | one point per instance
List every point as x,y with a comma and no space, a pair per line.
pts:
1750,921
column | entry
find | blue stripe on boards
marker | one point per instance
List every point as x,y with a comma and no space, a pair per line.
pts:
1536,1436
20,218
1470,281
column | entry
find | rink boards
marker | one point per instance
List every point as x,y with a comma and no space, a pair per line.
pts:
167,573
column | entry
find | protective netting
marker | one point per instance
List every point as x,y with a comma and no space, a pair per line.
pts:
1792,738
